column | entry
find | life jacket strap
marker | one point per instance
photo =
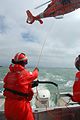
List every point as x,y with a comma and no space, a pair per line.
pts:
16,92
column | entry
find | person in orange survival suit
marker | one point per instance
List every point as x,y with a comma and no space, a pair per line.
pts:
76,86
18,89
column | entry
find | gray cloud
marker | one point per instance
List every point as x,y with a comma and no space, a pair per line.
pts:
28,37
55,43
3,26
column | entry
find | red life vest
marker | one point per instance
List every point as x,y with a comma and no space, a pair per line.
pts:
76,88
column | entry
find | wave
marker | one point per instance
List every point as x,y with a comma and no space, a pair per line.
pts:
69,83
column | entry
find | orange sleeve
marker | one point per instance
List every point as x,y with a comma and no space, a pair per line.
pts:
32,75
27,77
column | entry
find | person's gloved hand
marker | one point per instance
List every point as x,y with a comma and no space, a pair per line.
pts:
36,68
35,83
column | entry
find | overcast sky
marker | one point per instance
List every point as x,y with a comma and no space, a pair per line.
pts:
56,43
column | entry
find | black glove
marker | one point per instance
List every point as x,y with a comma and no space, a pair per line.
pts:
35,83
69,95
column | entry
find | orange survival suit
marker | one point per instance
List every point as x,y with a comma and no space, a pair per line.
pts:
76,88
17,107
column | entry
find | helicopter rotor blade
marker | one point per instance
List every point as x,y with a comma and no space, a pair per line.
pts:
42,4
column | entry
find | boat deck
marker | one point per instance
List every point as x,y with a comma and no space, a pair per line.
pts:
71,112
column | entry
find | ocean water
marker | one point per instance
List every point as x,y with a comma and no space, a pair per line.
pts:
64,77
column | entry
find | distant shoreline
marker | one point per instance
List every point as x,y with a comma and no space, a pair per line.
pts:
47,67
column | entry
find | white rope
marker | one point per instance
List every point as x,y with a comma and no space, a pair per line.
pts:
44,45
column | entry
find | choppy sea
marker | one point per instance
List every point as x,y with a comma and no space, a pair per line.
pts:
64,77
